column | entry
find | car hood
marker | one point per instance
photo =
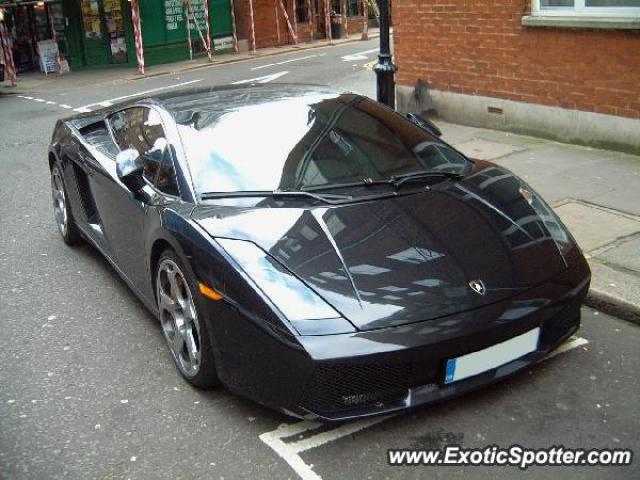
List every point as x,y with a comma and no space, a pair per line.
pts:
408,258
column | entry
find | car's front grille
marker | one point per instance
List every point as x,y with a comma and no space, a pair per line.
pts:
339,388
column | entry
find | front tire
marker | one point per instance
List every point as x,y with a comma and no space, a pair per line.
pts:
184,329
61,208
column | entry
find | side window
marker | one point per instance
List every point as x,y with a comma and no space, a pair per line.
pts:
167,176
141,128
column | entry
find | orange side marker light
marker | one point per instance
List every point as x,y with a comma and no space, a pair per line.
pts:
209,292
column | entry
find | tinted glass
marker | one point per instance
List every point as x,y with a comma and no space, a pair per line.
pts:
166,181
293,143
141,128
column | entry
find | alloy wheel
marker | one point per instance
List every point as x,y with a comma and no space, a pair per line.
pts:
59,201
178,317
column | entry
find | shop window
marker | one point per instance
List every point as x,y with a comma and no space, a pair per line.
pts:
91,20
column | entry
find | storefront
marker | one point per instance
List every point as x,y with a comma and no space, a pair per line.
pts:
29,24
103,33
164,28
99,33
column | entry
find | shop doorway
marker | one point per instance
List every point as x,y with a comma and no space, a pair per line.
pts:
105,35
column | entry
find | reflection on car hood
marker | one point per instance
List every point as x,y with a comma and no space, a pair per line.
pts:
409,258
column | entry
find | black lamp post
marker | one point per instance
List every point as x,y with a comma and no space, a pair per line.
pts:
385,69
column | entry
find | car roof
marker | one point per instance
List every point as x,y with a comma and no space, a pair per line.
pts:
183,104
224,98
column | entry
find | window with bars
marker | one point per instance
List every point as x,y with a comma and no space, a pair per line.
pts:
597,8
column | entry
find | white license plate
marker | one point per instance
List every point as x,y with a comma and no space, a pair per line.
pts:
492,357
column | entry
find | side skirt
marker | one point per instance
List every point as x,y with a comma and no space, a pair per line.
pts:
145,301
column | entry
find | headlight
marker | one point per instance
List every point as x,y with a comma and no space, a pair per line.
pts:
558,232
307,312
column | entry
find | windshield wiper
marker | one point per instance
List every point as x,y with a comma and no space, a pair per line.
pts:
358,183
330,198
398,180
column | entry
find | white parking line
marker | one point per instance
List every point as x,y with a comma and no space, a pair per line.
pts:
290,450
573,342
109,102
289,61
316,441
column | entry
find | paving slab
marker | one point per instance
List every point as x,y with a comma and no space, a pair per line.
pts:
559,171
595,227
486,150
626,255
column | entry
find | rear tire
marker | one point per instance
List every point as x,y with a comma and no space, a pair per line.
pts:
61,208
183,326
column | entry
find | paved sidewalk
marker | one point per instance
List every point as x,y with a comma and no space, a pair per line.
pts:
34,82
595,192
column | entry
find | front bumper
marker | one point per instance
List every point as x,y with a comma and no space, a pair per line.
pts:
347,376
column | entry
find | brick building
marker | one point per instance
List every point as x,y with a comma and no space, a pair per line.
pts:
559,68
307,17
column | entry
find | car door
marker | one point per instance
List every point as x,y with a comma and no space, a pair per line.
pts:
123,212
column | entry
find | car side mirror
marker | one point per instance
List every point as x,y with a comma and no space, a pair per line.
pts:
129,168
424,123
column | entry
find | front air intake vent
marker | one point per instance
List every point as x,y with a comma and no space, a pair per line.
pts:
344,387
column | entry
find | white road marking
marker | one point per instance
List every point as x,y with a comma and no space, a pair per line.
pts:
109,102
47,102
369,65
358,56
81,110
289,61
273,440
339,432
573,342
290,451
265,79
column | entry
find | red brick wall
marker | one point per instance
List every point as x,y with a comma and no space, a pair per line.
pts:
479,47
265,24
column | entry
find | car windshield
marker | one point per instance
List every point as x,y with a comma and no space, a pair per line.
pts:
306,142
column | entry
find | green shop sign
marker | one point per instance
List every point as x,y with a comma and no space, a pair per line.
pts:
164,28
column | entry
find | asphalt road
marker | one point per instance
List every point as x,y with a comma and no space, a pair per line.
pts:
88,390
